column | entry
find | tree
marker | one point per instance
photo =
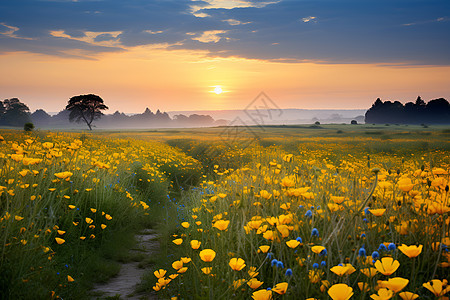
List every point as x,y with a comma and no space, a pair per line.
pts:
14,113
85,108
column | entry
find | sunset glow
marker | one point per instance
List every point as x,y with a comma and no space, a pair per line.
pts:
317,59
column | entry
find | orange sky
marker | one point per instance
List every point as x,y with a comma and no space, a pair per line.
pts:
184,80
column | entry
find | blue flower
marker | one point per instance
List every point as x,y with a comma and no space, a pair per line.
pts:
280,265
375,255
315,232
300,206
323,252
362,252
363,235
323,263
366,211
308,214
288,272
365,220
269,255
315,265
274,262
391,246
382,247
299,239
341,265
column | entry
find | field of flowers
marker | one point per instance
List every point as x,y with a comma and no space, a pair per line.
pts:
323,220
296,214
63,198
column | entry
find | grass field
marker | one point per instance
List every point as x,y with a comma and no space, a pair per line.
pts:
295,212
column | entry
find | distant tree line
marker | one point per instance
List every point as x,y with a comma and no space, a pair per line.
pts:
436,111
14,113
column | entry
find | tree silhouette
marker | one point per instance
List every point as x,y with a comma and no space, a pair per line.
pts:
85,108
14,112
436,111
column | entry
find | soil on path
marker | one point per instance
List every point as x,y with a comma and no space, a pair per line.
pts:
124,284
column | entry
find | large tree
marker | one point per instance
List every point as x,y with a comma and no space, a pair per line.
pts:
14,113
85,108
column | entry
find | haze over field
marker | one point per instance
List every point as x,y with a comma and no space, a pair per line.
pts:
184,55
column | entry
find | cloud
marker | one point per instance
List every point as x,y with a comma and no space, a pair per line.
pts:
10,31
211,36
309,19
352,31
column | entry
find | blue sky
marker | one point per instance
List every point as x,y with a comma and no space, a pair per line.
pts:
385,32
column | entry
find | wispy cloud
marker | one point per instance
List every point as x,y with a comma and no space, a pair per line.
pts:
10,31
309,19
108,39
440,19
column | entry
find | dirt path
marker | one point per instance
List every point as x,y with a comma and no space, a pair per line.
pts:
130,274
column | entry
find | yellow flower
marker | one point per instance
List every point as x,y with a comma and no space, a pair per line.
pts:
71,206
369,272
185,224
395,284
262,295
59,241
364,286
221,224
18,218
63,175
89,220
280,288
70,279
340,291
387,265
222,195
178,264
103,226
23,173
317,249
264,248
436,287
405,184
337,199
254,283
411,251
177,241
195,244
292,243
237,264
185,260
339,270
408,296
160,273
182,270
61,232
383,294
284,230
94,210
207,255
377,212
206,270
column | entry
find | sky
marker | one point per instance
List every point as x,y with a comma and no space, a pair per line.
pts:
173,54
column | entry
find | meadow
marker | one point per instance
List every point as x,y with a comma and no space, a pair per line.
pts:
280,212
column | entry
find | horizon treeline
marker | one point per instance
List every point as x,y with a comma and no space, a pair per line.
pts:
436,111
14,113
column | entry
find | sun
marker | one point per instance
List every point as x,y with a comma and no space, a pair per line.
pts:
218,90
